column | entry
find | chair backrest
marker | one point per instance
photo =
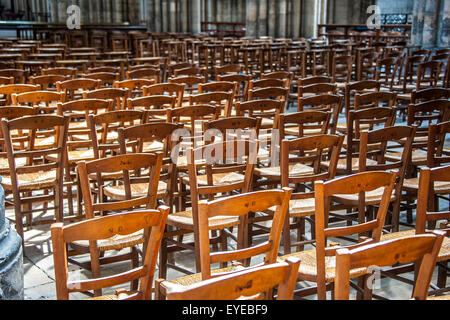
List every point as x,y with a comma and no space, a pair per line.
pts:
425,113
47,81
429,94
254,283
217,86
118,95
9,89
154,105
314,80
228,69
358,87
148,73
242,81
222,99
324,102
60,71
191,82
197,113
436,154
307,122
428,213
69,87
41,99
105,228
422,248
97,170
240,206
234,128
106,78
135,86
106,141
173,89
354,184
267,83
317,89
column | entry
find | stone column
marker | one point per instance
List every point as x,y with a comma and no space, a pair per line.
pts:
252,18
11,258
195,16
444,25
272,18
430,23
282,19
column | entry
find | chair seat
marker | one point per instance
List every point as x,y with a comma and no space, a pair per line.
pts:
444,253
197,277
302,207
32,181
152,146
412,184
184,220
76,156
137,190
372,197
293,131
418,157
118,242
295,170
118,296
218,179
308,266
342,164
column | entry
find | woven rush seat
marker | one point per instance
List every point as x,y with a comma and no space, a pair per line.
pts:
78,125
118,296
152,146
184,220
32,181
404,96
218,179
342,164
439,186
372,197
266,123
343,127
45,142
112,136
418,157
308,266
438,298
444,253
4,164
76,155
137,190
295,170
306,132
197,277
117,242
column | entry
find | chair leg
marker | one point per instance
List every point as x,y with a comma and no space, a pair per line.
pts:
134,264
163,260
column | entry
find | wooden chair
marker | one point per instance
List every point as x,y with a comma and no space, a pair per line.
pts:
275,93
222,99
324,102
217,87
342,68
135,86
46,101
304,123
107,79
358,121
9,89
47,82
103,130
266,109
236,285
68,72
224,174
428,72
155,106
192,71
372,157
176,66
94,171
151,137
421,248
300,166
242,81
148,73
235,208
318,265
31,180
191,84
119,96
73,89
267,83
19,75
316,89
97,230
387,70
172,89
229,69
358,87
